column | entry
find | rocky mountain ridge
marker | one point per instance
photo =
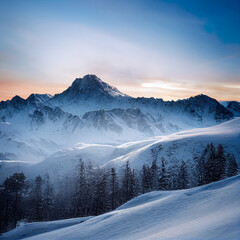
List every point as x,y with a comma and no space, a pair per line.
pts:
92,111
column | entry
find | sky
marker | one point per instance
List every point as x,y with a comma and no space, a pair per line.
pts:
170,49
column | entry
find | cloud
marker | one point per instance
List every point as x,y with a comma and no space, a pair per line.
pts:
163,85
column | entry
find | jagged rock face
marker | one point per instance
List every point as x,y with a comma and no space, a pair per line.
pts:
9,108
101,120
116,119
65,122
134,118
37,119
39,100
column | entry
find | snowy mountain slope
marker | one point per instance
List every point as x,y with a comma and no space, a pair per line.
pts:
35,228
14,147
123,122
174,148
207,212
64,162
31,131
186,146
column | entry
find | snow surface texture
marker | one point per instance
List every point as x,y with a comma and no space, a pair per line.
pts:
91,111
30,229
207,212
182,146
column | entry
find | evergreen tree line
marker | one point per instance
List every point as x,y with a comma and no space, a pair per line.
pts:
215,165
96,190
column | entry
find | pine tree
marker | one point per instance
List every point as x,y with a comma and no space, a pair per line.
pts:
201,166
126,183
100,201
2,209
114,189
154,175
48,203
146,178
201,171
212,171
64,191
173,182
37,199
134,185
163,181
232,166
183,178
80,203
220,163
130,185
12,192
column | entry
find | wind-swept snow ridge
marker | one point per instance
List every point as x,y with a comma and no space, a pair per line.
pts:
203,213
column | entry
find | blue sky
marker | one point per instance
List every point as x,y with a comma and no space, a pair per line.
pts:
167,49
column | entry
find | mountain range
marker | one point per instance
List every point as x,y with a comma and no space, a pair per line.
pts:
92,111
95,121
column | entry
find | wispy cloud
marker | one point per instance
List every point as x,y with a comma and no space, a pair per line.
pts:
160,84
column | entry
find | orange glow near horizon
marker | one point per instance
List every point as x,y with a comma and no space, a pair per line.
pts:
9,89
167,91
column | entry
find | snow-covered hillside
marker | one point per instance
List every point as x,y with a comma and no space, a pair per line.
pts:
207,212
186,145
182,146
91,111
35,228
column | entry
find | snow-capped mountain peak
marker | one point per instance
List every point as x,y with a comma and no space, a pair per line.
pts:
88,87
203,102
232,106
39,99
17,100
